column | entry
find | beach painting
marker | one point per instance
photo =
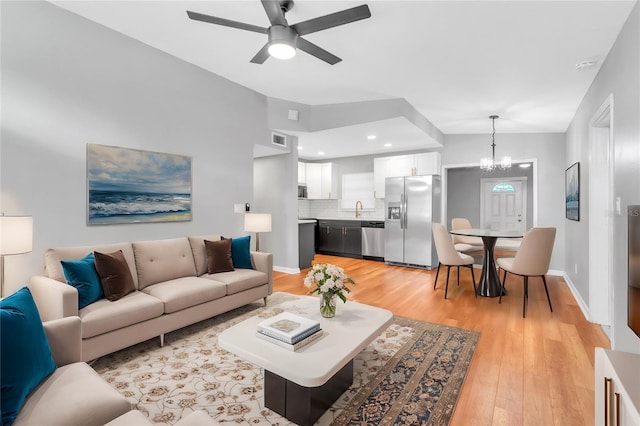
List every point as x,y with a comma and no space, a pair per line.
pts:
134,186
572,192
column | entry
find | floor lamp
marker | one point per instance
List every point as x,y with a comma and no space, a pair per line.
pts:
16,237
257,222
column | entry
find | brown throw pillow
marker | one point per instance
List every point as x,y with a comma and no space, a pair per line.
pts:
115,275
218,256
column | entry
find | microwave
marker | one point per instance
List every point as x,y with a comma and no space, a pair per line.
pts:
302,191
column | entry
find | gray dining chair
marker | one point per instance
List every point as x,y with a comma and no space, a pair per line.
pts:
464,243
448,256
531,260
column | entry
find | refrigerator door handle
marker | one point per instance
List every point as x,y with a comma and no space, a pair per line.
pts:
402,211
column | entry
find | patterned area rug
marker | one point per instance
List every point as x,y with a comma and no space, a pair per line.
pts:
410,375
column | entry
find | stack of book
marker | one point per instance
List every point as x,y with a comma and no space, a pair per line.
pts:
289,330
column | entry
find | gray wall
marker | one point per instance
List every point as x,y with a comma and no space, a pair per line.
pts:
67,82
620,76
463,191
276,192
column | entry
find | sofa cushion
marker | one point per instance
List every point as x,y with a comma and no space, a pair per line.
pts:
115,275
53,256
200,252
82,275
104,316
73,395
240,279
240,252
218,256
163,260
24,351
185,292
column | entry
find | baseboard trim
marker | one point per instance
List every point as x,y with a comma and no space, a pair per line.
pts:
576,295
286,270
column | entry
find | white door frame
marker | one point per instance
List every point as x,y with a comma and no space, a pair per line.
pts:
601,219
523,196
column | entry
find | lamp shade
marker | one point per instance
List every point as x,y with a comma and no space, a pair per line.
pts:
257,222
16,234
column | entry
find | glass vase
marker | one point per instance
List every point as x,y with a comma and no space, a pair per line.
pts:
328,303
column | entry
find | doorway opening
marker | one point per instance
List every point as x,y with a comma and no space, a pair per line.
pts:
600,213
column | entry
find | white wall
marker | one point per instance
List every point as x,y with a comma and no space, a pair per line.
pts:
620,76
67,82
549,151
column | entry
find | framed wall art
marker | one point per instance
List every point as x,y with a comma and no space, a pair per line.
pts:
134,186
572,192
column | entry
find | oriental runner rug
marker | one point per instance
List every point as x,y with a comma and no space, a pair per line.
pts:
411,374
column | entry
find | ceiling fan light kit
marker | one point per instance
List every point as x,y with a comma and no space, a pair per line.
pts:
282,42
285,39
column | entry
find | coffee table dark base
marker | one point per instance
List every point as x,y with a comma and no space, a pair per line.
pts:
300,404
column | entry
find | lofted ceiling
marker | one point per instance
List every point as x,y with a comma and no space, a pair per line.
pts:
456,62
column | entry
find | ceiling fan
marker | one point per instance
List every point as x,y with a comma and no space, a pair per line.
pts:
285,38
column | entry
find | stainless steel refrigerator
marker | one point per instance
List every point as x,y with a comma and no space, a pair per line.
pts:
412,203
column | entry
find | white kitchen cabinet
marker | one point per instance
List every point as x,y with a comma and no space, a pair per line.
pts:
617,384
320,181
302,173
427,163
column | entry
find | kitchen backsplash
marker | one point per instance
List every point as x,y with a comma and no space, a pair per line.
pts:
330,209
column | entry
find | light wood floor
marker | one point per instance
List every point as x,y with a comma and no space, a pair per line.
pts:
536,370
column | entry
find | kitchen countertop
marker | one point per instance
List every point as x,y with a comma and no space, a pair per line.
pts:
305,221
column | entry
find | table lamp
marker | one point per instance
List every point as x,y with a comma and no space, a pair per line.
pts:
16,237
257,222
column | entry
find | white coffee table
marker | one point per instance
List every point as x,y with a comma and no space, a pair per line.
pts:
302,385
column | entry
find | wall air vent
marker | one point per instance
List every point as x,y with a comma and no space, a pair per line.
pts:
278,139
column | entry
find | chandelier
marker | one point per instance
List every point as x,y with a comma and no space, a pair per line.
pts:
489,164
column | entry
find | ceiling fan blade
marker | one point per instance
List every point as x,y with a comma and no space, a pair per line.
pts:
262,55
332,20
274,12
226,22
317,51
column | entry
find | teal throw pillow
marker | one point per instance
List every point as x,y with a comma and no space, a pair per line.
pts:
82,274
240,252
24,350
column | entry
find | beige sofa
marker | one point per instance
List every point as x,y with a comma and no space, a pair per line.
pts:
173,290
95,402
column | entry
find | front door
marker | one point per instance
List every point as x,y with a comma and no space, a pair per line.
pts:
503,204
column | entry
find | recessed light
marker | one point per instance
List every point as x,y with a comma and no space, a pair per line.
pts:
371,137
585,65
299,148
387,145
320,152
524,165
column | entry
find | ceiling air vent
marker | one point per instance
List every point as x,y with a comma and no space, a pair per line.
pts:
278,139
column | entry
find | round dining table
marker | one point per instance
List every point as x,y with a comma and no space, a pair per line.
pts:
489,281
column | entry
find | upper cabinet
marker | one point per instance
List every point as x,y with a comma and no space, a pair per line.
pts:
428,163
320,180
302,173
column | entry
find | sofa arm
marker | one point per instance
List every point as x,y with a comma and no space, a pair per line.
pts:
53,298
263,262
65,339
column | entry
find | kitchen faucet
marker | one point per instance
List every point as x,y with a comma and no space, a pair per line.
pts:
358,212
